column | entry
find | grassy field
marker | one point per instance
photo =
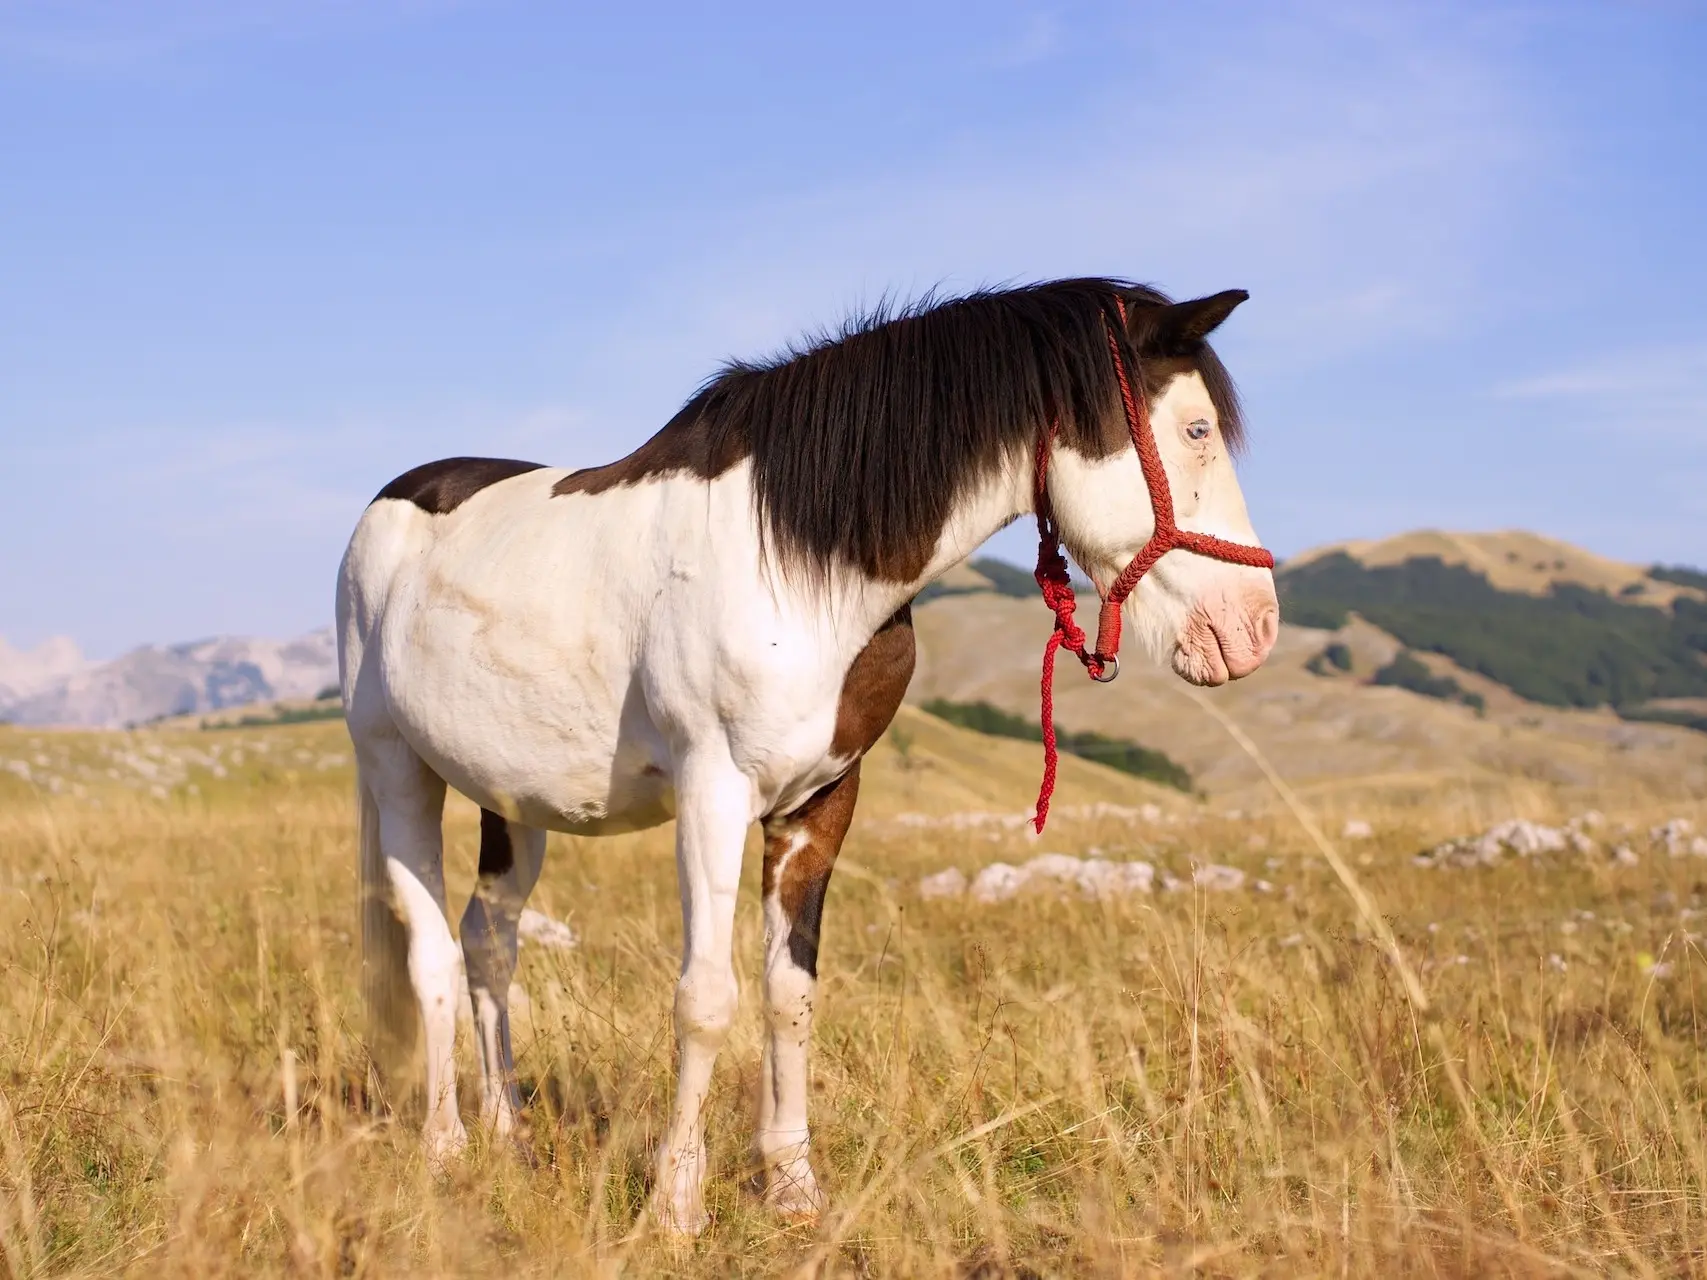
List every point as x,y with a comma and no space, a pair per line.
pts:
1185,1083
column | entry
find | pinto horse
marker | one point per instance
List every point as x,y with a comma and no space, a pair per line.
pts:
717,628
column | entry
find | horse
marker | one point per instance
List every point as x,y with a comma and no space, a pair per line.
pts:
716,628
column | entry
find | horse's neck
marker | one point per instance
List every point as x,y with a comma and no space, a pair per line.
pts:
993,502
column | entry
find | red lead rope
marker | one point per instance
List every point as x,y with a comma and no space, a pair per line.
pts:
1057,588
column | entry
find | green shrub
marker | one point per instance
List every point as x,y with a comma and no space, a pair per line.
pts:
283,715
1405,671
1679,574
1336,657
1666,715
1116,753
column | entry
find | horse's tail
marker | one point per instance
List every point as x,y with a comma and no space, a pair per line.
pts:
392,1017
392,1021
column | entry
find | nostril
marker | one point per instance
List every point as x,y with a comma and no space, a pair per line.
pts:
1266,626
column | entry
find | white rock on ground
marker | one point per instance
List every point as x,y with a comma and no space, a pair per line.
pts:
997,883
1217,879
1677,838
1356,829
1093,877
1099,878
541,930
1526,839
944,884
1515,835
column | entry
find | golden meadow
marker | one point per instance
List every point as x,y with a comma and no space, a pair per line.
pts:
1184,1083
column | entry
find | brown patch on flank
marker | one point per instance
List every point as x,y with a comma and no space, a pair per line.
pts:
497,854
798,870
874,686
683,446
439,488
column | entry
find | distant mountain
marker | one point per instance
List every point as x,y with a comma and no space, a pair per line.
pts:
989,574
55,685
1481,620
1515,560
26,672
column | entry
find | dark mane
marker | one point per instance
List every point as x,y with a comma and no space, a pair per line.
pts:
862,442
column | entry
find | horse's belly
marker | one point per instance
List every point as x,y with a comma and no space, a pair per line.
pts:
547,729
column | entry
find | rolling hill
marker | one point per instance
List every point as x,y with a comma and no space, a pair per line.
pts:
1552,623
1484,660
1538,669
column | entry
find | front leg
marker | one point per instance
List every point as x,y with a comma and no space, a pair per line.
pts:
800,850
714,809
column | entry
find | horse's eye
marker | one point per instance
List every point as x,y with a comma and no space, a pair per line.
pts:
1198,429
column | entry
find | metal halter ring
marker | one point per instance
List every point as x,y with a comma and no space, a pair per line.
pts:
1110,668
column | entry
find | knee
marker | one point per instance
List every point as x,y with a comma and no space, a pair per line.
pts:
488,940
788,993
705,1005
435,964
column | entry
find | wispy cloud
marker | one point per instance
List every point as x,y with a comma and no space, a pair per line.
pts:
1662,387
240,479
1351,189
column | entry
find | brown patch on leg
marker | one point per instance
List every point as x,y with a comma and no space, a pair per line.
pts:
800,851
801,847
497,855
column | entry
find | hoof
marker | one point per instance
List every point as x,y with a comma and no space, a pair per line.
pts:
506,1131
678,1196
520,1146
792,1194
680,1222
444,1144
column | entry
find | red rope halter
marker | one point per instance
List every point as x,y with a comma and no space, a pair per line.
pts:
1104,663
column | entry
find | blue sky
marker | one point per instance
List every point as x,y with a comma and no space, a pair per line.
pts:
256,258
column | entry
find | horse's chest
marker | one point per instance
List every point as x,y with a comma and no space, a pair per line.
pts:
869,695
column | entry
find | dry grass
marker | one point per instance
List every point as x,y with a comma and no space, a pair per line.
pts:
1223,1084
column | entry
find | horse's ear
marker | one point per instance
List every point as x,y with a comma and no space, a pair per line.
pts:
1178,327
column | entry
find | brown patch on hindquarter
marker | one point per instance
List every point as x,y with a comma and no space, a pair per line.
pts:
497,854
800,852
439,488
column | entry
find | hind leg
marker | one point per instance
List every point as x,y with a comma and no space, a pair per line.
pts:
510,858
410,801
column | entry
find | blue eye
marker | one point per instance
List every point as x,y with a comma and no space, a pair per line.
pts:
1198,429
